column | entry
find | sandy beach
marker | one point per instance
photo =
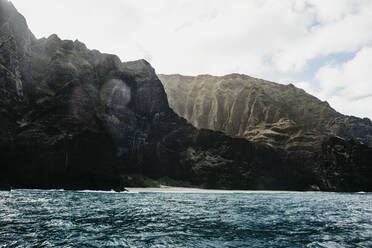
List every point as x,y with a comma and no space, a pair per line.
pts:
198,190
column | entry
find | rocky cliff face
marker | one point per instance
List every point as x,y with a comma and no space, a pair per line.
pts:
259,110
280,116
75,118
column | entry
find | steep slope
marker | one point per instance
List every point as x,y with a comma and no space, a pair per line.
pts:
281,116
76,118
275,114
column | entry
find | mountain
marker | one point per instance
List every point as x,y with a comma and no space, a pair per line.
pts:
76,118
281,116
259,110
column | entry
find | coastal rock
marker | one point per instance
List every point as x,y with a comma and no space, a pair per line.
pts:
283,117
346,165
76,118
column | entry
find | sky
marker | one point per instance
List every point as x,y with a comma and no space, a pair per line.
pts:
322,46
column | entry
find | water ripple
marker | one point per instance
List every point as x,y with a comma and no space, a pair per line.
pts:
37,218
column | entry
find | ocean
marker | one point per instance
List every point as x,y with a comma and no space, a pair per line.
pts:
53,218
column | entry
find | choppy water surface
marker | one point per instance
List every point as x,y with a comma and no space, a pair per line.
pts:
35,218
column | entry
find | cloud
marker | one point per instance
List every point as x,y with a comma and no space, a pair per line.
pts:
270,39
348,86
359,107
338,26
208,36
351,79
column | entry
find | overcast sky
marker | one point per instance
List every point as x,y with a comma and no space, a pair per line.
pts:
322,46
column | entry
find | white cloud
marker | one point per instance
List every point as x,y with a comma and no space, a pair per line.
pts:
339,26
351,79
216,37
359,107
348,87
334,10
270,39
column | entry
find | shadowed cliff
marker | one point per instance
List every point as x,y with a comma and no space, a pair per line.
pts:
281,116
76,118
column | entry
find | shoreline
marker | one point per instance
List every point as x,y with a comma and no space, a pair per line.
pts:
171,189
162,188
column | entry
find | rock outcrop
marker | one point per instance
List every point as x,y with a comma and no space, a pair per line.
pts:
76,118
259,110
281,116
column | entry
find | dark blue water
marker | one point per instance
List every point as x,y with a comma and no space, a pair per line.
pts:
35,218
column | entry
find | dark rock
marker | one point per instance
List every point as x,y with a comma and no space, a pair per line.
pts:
5,188
281,116
346,165
75,118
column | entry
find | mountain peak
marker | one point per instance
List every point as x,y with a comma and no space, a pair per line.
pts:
244,106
